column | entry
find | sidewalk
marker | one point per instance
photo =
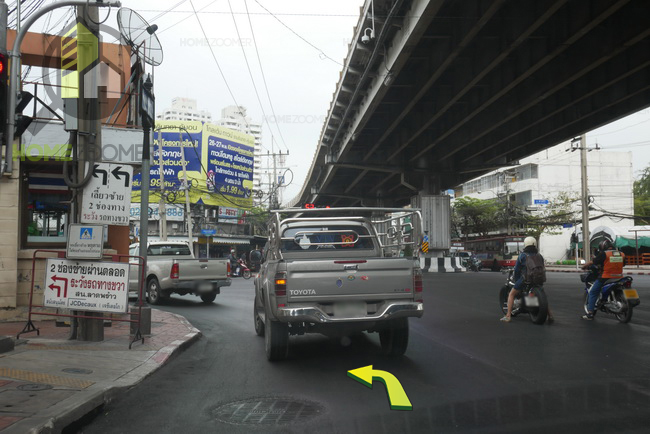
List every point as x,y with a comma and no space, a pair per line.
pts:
630,269
47,381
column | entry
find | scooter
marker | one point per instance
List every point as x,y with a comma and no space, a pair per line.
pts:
616,297
242,270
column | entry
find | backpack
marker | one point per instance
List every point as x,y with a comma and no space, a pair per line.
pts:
535,271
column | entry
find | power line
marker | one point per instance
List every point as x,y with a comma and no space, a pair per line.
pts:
322,53
250,73
263,76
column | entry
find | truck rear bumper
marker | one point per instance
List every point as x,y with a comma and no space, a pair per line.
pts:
315,315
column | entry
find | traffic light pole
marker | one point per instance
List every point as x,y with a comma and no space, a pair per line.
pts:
14,73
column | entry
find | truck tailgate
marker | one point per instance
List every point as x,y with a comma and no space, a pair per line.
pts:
202,269
341,279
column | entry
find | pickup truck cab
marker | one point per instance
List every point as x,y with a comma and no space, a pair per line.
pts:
334,271
172,268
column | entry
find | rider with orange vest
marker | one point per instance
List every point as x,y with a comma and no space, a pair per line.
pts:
610,262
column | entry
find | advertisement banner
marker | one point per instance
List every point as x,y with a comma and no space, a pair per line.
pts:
229,162
219,165
231,215
180,140
175,213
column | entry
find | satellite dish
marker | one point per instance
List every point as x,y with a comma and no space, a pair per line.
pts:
140,36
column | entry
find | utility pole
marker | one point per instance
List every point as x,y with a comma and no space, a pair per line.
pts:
585,198
89,138
274,185
162,207
188,212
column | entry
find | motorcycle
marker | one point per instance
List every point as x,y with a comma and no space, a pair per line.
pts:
242,270
616,297
474,264
531,300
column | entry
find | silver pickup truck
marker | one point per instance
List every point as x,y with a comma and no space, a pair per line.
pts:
172,268
338,271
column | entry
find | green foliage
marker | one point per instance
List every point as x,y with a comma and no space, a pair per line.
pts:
641,191
476,216
560,210
258,218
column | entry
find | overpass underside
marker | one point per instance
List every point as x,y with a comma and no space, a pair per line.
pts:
449,90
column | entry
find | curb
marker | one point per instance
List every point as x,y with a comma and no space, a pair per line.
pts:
85,403
626,272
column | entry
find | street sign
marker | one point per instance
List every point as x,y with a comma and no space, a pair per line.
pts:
567,225
85,241
208,232
107,196
87,285
541,201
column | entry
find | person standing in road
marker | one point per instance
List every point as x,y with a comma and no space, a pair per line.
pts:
530,253
610,264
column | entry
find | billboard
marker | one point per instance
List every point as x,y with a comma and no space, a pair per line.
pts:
219,163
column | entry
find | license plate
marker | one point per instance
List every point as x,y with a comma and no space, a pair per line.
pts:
205,287
630,293
350,310
531,301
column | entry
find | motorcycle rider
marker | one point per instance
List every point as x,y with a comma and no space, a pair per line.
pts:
610,264
530,249
233,262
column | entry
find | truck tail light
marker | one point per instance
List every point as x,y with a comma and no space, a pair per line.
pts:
281,284
174,273
417,285
228,268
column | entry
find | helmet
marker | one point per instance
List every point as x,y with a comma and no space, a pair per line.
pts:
530,241
605,245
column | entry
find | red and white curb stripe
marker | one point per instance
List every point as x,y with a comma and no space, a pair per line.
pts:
163,354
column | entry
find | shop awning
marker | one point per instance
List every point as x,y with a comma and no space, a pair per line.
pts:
225,240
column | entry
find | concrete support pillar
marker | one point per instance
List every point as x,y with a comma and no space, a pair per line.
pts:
436,221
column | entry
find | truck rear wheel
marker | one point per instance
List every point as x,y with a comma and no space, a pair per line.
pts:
395,338
208,298
276,340
259,325
154,293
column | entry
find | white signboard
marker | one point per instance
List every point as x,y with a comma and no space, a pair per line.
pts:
107,196
87,285
175,213
85,241
231,215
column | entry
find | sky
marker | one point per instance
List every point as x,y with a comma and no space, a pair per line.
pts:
301,58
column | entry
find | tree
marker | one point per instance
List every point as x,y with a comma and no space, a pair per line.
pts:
641,191
476,216
560,210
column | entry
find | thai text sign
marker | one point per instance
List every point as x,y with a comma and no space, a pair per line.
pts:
107,196
87,285
219,163
85,241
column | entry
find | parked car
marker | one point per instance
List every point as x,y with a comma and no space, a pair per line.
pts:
172,268
338,271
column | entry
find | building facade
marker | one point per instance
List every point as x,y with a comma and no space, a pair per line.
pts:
184,109
542,177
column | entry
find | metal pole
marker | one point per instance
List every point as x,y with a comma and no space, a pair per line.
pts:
15,74
162,207
585,198
636,239
144,202
187,195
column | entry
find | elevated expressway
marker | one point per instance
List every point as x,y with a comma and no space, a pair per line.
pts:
449,90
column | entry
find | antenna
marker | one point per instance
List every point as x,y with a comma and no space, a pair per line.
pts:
140,36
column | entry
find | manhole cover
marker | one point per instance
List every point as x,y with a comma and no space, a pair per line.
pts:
77,371
267,411
33,387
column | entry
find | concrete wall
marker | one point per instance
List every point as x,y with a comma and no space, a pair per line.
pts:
9,201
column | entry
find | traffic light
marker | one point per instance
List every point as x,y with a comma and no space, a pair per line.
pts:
22,122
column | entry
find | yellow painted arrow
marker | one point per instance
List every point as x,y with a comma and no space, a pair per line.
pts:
396,395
